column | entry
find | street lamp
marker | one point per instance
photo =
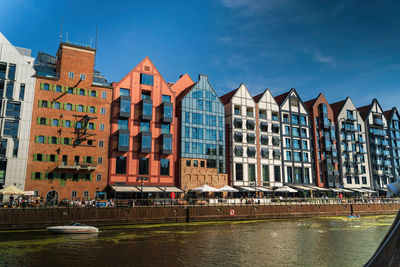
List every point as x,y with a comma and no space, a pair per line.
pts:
141,179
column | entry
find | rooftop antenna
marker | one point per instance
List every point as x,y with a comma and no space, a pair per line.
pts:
61,30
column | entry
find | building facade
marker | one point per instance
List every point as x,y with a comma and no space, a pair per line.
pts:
296,152
17,83
351,144
324,142
202,135
379,156
143,131
68,153
393,132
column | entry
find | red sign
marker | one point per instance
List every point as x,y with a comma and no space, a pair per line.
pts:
172,195
232,212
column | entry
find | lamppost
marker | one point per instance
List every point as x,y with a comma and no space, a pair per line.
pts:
141,179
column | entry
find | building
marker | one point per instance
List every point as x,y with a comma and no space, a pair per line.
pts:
393,131
351,145
269,164
201,134
17,83
378,147
324,142
296,139
143,133
68,153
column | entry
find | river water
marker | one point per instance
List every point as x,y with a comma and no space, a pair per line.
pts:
334,241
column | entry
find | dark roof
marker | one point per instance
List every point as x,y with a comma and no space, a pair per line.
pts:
310,103
388,114
364,110
258,97
337,107
280,98
227,97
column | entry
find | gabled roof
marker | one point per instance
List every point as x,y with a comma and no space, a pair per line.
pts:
310,103
364,111
280,98
388,114
258,97
227,97
338,106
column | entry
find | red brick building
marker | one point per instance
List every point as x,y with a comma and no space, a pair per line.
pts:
324,142
68,153
143,133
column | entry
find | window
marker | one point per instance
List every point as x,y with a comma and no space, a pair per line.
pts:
71,75
15,148
92,109
348,179
144,166
13,110
104,94
102,127
66,141
46,87
91,126
103,110
53,140
40,139
11,128
124,92
70,91
286,118
195,163
38,157
93,93
80,108
298,176
68,106
277,173
275,116
86,194
305,157
55,122
265,173
67,124
82,77
120,166
164,167
236,110
146,142
78,125
98,177
293,100
305,144
199,104
364,180
209,106
262,114
251,138
188,163
146,79
238,151
10,90
52,158
58,88
197,133
288,155
3,69
250,124
22,91
56,105
211,120
237,123
264,153
81,91
166,99
264,127
73,194
249,112
238,137
251,152
165,128
202,164
289,174
295,119
123,124
197,94
11,72
43,104
211,149
239,171
252,172
303,120
197,118
99,160
296,156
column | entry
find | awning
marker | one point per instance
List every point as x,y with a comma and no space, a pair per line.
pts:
318,188
369,191
170,189
129,189
383,189
341,190
286,189
263,189
302,187
246,188
357,190
150,189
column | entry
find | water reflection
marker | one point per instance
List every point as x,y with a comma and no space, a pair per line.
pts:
338,241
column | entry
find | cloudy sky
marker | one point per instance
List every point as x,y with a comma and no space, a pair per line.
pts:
342,48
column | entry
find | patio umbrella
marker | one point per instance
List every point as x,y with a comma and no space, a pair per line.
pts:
205,188
229,189
286,189
11,190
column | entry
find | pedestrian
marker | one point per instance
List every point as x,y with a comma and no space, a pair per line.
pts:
340,197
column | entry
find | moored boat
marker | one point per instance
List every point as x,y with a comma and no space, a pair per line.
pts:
73,228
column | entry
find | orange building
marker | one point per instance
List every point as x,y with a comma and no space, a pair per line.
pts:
143,134
68,153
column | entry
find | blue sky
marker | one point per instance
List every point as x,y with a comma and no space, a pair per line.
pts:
342,48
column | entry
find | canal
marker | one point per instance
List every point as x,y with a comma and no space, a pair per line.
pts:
334,241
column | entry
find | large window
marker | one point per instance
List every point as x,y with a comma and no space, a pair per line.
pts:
13,110
3,147
120,166
298,179
197,118
11,72
239,171
165,128
125,106
289,174
277,172
123,91
146,79
11,128
251,152
252,172
164,167
145,126
265,173
144,166
166,98
10,90
197,133
22,91
122,124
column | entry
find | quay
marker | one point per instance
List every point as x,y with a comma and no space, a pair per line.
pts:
36,218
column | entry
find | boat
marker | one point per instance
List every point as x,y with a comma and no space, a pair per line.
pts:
73,228
388,252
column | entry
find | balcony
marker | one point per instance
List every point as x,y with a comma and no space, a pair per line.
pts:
349,127
377,172
123,140
145,142
167,112
79,167
166,144
147,109
124,106
377,132
350,118
378,122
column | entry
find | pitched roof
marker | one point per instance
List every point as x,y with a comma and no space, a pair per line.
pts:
310,103
388,114
184,93
364,110
258,97
337,106
280,98
227,97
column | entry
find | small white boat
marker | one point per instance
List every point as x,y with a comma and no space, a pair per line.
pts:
73,228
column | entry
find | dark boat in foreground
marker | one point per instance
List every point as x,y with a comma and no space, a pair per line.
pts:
388,252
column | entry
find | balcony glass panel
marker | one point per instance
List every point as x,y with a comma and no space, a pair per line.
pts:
123,140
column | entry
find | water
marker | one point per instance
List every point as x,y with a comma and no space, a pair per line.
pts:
335,241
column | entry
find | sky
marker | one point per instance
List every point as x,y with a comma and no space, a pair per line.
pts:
342,48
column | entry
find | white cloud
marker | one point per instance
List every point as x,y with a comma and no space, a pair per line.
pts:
324,59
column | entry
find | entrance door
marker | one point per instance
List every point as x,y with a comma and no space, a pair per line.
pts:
52,197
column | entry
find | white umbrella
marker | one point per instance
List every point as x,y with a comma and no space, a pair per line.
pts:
205,188
227,188
286,189
11,190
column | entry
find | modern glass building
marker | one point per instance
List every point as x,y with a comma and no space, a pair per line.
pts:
393,130
202,135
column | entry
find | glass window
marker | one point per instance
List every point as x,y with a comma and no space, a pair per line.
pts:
295,119
238,151
239,171
71,75
296,131
289,174
22,91
264,139
93,93
264,153
237,123
91,126
70,91
167,143
104,94
120,166
236,110
10,90
125,106
197,118
197,133
166,98
81,91
303,120
209,106
262,114
11,128
251,152
68,107
211,135
298,176
13,110
252,172
124,92
187,147
11,72
57,105
251,138
144,166
167,111
146,141
277,172
164,170
78,125
199,104
147,108
211,149
55,122
275,116
92,109
40,139
146,79
288,155
67,123
144,126
249,112
197,94
250,124
165,128
3,69
103,110
80,108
